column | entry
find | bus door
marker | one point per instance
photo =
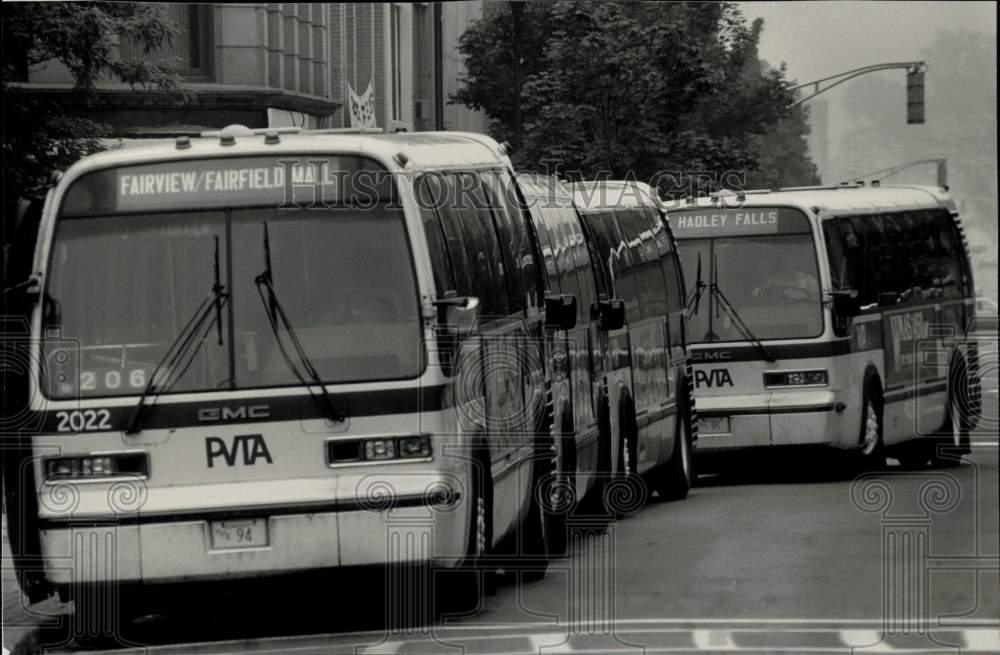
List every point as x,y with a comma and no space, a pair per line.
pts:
610,351
556,348
576,263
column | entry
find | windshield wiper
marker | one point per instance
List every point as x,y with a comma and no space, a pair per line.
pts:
699,288
275,312
722,301
198,324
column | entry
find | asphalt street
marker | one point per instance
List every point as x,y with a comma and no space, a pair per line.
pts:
766,554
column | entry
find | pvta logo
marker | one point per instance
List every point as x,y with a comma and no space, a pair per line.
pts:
717,377
252,446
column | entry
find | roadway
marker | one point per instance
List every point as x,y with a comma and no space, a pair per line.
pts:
765,555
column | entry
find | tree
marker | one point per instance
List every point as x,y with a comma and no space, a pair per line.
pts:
784,154
499,51
38,135
628,88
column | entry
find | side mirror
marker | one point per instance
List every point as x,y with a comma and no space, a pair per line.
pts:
888,298
611,313
461,314
51,312
560,311
846,304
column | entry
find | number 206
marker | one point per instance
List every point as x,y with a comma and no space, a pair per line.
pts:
84,420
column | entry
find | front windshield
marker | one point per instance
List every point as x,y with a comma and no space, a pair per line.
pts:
126,285
771,281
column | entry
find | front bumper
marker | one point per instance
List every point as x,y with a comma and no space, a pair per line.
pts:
773,419
415,521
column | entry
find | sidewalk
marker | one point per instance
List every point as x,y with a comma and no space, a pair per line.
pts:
19,619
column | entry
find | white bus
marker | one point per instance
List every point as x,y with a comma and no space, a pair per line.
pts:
257,353
831,316
640,359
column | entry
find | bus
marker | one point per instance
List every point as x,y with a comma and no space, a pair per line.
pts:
613,250
262,352
831,316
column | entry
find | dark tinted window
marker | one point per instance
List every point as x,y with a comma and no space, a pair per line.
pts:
486,260
667,250
515,242
914,254
437,243
442,189
626,259
548,243
651,285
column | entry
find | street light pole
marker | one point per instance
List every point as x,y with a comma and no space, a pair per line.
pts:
912,68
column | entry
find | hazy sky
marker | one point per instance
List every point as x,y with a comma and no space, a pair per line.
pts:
817,39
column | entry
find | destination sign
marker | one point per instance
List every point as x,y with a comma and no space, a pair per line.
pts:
306,180
743,221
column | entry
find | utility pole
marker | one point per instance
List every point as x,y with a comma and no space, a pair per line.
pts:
516,15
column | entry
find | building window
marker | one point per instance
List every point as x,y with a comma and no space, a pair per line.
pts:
190,49
423,67
396,63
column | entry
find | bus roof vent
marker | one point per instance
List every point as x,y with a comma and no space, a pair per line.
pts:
182,142
271,138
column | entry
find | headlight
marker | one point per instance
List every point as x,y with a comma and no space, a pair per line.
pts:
378,449
796,379
97,466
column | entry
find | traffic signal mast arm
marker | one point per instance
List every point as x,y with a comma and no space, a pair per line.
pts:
912,67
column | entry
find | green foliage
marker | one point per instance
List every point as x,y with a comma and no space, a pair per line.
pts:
784,155
628,88
38,135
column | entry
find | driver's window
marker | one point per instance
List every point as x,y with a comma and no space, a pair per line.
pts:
840,274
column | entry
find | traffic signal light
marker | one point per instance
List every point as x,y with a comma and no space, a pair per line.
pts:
915,95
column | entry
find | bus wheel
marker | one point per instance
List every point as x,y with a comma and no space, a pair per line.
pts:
870,452
953,437
675,481
602,472
537,537
556,491
103,618
460,590
626,493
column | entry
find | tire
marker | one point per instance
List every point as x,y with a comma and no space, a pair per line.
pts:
952,439
677,476
556,495
594,501
869,452
914,455
460,591
103,616
627,471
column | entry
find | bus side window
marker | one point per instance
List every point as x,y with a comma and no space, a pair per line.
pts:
858,251
840,274
515,241
488,268
667,253
546,243
578,262
437,243
922,252
445,194
630,246
951,257
652,287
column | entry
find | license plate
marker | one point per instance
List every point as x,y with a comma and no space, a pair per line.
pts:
249,533
713,425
